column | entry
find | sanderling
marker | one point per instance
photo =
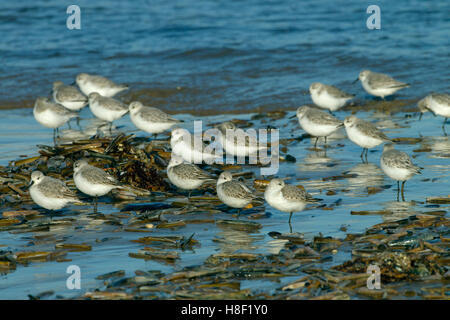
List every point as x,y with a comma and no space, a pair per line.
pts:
69,96
379,84
50,193
287,198
236,142
328,97
364,134
106,109
51,115
317,123
93,181
438,103
93,83
233,193
397,165
186,176
183,144
150,119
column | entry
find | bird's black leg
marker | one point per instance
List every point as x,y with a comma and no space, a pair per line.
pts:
403,189
362,154
443,126
398,190
95,204
315,143
290,225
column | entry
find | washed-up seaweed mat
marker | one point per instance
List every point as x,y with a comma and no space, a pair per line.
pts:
412,256
126,157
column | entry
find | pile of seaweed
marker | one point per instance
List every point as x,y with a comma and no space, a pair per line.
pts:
412,256
133,161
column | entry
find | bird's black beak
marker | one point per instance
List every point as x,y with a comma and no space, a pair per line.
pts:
292,117
30,184
355,81
73,83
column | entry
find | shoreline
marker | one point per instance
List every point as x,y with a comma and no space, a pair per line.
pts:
400,105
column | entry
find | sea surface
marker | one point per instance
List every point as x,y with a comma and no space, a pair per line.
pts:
222,56
202,60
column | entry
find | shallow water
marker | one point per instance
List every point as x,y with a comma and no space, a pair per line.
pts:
218,57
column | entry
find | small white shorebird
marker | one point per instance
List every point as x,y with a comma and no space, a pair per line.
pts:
236,142
150,119
398,166
183,145
328,97
186,176
69,96
438,104
379,84
51,115
93,83
233,193
50,193
93,181
317,122
364,134
106,109
287,198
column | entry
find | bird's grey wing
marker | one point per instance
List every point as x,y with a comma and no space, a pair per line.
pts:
156,115
101,81
380,80
400,159
238,190
372,131
191,171
338,93
106,83
55,188
200,174
442,98
290,192
61,110
98,176
70,93
113,104
324,118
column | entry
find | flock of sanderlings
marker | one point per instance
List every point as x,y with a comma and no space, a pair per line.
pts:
98,92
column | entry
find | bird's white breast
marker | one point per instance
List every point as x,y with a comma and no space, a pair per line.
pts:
46,202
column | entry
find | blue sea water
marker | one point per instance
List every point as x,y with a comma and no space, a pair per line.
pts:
222,55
